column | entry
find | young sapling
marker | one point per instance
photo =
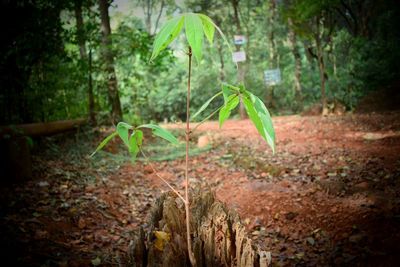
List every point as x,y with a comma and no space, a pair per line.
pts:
196,26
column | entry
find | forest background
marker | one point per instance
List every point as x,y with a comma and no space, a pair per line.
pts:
90,59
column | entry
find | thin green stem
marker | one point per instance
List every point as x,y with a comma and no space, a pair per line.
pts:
187,203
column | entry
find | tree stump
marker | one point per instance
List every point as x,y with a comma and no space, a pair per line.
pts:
218,236
15,159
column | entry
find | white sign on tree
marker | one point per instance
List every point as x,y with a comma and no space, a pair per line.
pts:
239,56
239,39
272,77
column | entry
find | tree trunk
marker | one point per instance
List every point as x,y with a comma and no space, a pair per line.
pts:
80,30
222,63
321,65
82,50
271,35
240,71
219,238
148,12
220,55
297,61
92,114
158,17
116,112
273,62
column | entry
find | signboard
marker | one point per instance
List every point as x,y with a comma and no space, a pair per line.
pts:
239,39
272,77
239,56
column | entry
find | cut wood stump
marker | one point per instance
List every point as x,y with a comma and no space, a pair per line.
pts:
218,236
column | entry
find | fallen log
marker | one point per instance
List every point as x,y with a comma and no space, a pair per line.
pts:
41,128
218,236
15,157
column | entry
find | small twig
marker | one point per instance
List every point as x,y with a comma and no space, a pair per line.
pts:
162,179
105,214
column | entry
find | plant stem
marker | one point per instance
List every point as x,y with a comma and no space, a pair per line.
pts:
187,203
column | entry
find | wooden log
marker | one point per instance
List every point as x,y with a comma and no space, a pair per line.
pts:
15,158
42,128
218,236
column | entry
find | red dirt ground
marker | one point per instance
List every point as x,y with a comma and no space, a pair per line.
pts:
328,197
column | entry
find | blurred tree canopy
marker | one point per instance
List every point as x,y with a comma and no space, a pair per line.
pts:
52,66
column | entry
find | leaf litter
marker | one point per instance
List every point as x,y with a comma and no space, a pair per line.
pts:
329,196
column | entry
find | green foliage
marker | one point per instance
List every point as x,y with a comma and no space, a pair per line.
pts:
160,132
134,141
261,118
231,103
44,79
196,26
255,108
123,132
167,34
194,34
208,27
140,82
41,77
104,143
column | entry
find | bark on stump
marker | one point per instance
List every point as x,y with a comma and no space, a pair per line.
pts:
218,236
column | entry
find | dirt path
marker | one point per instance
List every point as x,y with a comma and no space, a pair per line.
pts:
329,197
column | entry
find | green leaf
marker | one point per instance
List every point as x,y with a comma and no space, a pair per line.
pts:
222,35
158,131
194,34
225,112
251,111
205,105
208,28
243,90
135,142
139,137
261,118
223,115
266,117
104,142
167,34
227,90
123,132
